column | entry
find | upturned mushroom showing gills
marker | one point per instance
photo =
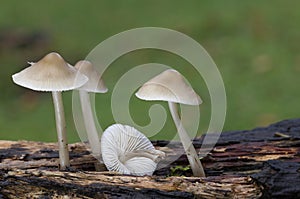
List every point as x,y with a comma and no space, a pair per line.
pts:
52,73
127,151
94,85
170,86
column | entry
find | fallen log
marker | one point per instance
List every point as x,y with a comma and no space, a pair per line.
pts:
259,163
33,183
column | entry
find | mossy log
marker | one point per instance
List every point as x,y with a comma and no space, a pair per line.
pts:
259,163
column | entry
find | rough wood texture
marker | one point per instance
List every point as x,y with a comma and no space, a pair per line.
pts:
263,162
32,183
29,169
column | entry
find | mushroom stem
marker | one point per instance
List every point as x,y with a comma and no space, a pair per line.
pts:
154,155
186,142
61,130
89,123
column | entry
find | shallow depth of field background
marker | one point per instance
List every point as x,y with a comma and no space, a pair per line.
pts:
255,44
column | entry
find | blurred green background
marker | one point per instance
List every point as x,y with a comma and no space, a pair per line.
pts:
255,45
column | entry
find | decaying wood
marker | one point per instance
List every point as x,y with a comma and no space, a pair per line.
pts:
30,169
33,183
262,162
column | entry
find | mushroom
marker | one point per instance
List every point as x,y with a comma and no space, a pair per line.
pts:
170,86
127,151
53,73
94,85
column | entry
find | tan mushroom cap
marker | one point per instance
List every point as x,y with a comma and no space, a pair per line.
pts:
51,73
169,86
95,83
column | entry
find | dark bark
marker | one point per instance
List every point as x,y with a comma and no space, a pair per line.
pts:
263,162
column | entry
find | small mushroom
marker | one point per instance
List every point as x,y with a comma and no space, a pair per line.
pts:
170,86
53,73
127,151
94,85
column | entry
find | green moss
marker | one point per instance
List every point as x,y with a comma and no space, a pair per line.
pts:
180,170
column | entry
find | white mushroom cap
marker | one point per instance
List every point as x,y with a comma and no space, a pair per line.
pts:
95,83
51,73
118,142
169,86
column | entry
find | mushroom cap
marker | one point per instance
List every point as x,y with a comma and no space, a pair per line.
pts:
95,83
119,140
169,86
51,73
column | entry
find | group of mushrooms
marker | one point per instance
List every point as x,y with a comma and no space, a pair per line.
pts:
123,148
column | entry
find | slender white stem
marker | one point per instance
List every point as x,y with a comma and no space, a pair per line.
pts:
89,123
61,130
154,155
186,142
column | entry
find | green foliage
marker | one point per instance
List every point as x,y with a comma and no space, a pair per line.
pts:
255,45
179,170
